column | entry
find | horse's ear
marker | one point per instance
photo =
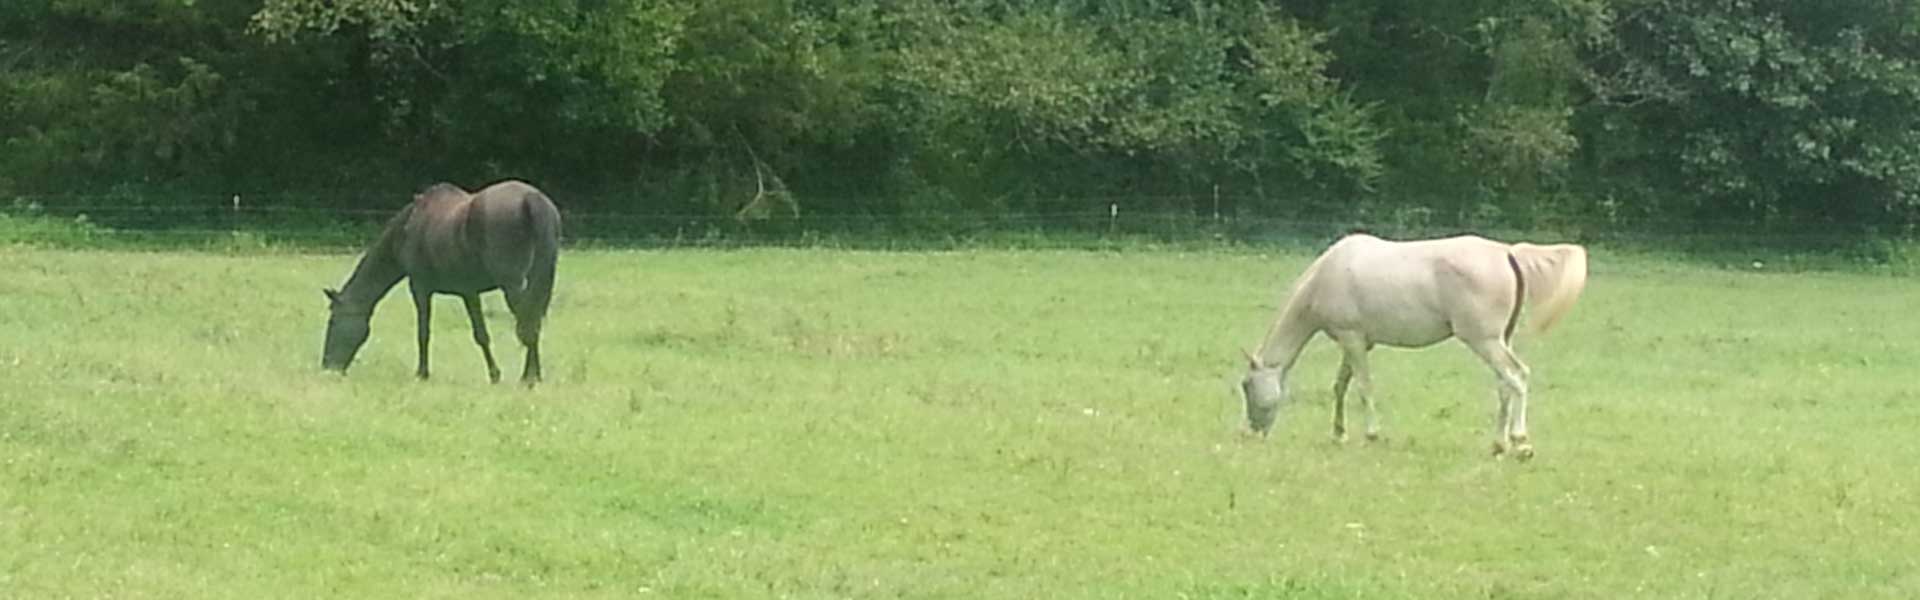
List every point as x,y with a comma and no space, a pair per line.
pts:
333,295
1253,362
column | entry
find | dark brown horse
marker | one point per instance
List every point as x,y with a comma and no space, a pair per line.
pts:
507,238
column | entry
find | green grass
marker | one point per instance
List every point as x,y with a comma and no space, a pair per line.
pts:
973,424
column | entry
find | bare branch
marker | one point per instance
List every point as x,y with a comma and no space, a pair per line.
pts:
12,61
757,207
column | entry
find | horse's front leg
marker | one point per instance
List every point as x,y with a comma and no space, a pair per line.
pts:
423,309
1354,369
1340,381
480,335
1366,397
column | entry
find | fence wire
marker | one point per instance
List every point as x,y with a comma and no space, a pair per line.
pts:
298,219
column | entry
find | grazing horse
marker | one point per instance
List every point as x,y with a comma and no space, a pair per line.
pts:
506,237
1365,290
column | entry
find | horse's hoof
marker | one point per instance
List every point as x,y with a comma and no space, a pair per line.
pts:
1499,449
1523,452
1374,436
1339,439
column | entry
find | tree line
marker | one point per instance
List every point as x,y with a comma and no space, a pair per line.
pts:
1683,114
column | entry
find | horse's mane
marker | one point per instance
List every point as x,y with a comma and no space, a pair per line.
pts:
1313,269
389,233
1298,294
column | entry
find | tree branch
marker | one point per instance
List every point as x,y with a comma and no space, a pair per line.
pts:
14,60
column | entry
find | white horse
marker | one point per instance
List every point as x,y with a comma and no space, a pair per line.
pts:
1365,291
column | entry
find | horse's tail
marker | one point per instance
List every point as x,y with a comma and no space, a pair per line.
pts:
543,219
1551,278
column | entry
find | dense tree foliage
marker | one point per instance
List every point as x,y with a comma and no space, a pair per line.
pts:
1680,113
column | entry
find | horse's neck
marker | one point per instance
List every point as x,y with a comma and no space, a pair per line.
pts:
1289,334
377,272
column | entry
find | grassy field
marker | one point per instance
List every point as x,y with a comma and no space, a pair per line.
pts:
971,424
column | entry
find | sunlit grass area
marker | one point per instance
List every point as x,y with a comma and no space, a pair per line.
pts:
965,424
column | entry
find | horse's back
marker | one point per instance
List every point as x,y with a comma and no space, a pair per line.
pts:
513,211
1409,293
500,236
509,200
1391,263
510,189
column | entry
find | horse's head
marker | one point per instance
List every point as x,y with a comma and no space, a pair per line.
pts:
346,332
1264,391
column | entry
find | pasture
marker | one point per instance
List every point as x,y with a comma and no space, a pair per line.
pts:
781,423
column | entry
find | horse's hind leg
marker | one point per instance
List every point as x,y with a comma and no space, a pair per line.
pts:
530,336
1517,421
527,317
1510,423
480,336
